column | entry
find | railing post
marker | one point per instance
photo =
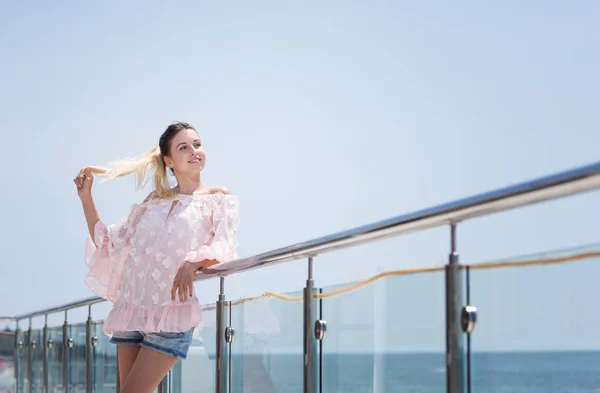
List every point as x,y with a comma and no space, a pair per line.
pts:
65,355
229,337
29,370
310,347
380,331
88,352
45,354
455,380
17,358
222,365
118,375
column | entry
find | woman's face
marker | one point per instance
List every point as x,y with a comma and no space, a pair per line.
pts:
187,156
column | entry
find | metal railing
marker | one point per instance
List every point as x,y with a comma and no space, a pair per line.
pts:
543,189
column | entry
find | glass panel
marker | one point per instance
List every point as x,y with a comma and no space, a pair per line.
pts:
76,359
104,369
7,370
55,358
388,336
196,374
37,361
266,354
538,328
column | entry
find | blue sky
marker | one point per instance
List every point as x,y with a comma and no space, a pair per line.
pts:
320,116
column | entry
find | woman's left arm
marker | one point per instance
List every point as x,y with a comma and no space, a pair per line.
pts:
221,248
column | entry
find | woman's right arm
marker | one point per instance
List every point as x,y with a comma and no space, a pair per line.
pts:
84,189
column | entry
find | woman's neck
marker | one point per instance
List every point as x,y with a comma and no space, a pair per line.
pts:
189,185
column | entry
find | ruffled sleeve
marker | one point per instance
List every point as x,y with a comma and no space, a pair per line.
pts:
106,258
223,243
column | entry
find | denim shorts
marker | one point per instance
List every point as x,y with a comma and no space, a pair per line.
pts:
174,344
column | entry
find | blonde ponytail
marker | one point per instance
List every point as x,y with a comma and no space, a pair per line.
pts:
151,160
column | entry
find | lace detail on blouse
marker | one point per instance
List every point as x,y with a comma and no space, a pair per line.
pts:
136,259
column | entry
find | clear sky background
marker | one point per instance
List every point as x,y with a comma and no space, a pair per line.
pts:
321,116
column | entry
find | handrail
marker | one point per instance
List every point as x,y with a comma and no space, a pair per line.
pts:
65,307
542,189
562,184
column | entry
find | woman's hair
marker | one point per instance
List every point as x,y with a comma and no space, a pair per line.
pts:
151,160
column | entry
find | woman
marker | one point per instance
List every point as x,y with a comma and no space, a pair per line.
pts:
145,264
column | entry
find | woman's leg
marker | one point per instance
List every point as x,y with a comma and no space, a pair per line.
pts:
149,368
126,357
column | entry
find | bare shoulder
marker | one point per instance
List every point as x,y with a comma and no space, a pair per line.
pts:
224,190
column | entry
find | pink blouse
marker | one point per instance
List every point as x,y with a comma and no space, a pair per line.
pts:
137,258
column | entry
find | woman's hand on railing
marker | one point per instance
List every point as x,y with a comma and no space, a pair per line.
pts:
204,266
208,270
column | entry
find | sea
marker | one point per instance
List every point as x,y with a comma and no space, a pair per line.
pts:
490,372
497,372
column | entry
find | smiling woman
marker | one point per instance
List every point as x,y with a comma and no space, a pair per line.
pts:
188,156
145,264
